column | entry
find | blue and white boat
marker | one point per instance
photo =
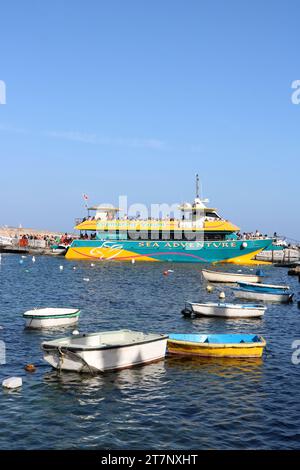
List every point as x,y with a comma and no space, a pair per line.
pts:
254,286
266,295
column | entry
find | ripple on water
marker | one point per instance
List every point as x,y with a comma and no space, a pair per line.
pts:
177,403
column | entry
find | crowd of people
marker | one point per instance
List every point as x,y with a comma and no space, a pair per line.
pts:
251,235
47,240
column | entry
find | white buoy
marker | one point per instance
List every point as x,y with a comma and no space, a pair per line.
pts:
132,261
12,382
86,279
24,257
92,265
33,259
61,267
170,271
75,332
222,295
21,261
74,267
209,288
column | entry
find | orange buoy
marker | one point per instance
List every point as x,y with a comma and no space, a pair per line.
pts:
165,273
30,368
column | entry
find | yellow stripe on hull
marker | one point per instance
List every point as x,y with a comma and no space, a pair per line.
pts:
215,350
100,253
246,259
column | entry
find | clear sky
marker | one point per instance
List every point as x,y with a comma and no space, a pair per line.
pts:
134,97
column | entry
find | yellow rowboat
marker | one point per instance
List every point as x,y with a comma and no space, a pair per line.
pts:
216,345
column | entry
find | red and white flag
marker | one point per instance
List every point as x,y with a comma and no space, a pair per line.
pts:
85,198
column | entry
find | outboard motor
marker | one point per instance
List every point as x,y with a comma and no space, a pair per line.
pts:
187,312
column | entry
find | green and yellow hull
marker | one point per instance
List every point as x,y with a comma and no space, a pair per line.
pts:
227,251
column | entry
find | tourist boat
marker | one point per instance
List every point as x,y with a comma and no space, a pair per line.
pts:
51,317
279,295
227,310
254,286
219,276
196,233
105,350
216,345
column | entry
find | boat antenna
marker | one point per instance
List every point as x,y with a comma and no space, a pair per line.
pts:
197,186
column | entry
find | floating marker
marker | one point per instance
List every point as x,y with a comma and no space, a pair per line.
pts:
170,271
92,265
21,261
165,273
24,257
30,368
132,261
12,382
222,295
86,279
75,332
74,267
209,288
33,259
61,267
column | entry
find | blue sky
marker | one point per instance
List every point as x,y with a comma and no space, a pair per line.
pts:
135,97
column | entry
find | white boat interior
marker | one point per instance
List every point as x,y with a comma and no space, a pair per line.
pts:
104,340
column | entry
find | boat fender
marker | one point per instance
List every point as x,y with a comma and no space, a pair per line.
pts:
12,382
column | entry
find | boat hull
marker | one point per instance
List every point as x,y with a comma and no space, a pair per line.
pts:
263,287
229,251
50,322
101,360
188,348
50,318
264,296
215,276
227,310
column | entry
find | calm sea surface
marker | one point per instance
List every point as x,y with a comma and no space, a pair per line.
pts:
176,403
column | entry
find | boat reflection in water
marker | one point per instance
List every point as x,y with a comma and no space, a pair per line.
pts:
222,367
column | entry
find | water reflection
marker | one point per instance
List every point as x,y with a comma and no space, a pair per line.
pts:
229,367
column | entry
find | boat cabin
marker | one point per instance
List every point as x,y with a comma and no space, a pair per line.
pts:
196,222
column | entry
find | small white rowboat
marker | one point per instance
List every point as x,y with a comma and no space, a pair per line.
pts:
218,276
51,317
106,350
211,309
